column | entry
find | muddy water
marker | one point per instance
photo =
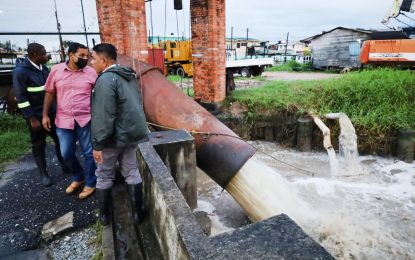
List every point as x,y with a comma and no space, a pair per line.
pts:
369,214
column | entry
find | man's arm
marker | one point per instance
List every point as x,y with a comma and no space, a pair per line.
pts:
49,98
20,90
104,110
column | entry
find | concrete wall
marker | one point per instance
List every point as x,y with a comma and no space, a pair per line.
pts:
177,233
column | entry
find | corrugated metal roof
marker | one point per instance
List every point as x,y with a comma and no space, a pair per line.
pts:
337,28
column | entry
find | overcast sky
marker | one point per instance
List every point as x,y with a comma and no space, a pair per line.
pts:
266,19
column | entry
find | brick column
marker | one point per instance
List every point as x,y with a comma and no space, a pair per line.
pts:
123,24
209,50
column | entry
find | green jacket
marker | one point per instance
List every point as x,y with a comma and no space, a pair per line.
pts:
117,110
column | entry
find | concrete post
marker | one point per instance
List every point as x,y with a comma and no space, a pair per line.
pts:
304,134
177,150
406,145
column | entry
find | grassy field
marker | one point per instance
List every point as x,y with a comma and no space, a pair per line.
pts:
379,100
14,138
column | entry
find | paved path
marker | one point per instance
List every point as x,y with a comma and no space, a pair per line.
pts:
25,205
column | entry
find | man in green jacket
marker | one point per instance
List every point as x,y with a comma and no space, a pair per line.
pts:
118,125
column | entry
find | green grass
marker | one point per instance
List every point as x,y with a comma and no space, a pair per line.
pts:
174,78
291,66
97,241
14,138
379,100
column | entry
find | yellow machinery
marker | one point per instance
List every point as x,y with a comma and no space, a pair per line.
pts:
178,57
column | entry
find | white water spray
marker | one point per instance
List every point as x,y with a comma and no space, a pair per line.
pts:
348,152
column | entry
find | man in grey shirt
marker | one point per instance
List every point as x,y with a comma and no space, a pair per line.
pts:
118,125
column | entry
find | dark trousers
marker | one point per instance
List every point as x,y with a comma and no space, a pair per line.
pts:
38,140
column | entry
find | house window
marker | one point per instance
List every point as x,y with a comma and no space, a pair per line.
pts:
354,49
172,45
243,44
238,45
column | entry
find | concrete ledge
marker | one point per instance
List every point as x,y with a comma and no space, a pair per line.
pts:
275,238
108,250
177,231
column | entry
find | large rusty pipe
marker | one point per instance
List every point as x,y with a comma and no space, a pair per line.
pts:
220,156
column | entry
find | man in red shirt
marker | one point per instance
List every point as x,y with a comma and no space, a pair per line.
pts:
71,83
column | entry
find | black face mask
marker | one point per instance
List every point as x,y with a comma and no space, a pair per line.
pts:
81,63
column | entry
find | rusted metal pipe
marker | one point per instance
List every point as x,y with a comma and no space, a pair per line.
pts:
220,156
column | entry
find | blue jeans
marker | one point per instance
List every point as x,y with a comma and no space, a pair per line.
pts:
67,140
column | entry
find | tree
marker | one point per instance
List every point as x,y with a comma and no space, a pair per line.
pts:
67,43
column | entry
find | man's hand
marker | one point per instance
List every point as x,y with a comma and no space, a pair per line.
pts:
46,123
35,124
98,156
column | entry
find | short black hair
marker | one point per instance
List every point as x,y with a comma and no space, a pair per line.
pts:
107,49
34,49
73,48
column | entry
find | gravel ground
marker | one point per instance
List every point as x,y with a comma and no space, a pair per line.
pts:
25,205
78,245
269,76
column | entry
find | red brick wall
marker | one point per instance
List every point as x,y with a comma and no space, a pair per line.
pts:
209,50
123,24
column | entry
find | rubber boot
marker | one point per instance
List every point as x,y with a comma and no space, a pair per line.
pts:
104,204
135,192
41,166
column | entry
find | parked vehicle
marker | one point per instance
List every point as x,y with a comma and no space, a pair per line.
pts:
7,101
394,52
178,61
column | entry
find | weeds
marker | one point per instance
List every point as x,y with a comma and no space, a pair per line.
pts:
379,100
14,138
292,66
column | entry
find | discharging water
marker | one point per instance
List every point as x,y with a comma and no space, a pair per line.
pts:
366,214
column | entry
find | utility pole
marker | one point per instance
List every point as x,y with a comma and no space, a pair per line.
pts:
247,38
231,48
83,17
60,35
286,48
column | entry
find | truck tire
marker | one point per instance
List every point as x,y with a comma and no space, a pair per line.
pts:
257,71
180,72
171,71
245,72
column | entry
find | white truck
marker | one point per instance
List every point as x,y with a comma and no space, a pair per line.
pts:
248,67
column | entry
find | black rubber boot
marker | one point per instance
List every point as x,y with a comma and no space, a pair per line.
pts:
104,204
135,192
41,166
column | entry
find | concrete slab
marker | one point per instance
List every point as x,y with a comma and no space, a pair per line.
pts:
276,238
58,225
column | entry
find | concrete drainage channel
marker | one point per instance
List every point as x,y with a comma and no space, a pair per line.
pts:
171,231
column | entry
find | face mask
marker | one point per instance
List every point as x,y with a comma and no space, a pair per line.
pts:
81,63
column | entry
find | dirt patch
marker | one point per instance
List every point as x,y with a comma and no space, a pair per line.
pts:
288,76
236,109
